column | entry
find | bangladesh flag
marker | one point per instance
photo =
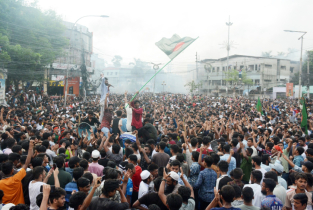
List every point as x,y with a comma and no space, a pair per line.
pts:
304,120
259,106
175,45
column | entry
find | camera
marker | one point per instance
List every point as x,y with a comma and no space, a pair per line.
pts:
52,189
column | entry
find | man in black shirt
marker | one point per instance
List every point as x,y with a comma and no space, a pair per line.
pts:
91,120
103,160
115,129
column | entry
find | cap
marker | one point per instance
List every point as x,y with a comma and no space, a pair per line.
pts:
277,167
309,165
95,154
145,175
174,175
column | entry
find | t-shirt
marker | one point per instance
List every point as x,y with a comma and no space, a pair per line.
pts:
107,118
12,188
245,207
34,190
289,199
152,198
272,202
246,167
136,178
98,203
129,188
223,208
189,206
161,159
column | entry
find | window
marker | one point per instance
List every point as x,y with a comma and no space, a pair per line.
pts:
250,67
257,82
268,66
111,73
70,90
213,70
223,69
291,69
217,69
235,67
242,66
283,67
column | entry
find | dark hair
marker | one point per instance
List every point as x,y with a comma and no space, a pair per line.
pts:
195,155
193,142
184,192
45,143
7,167
206,140
265,158
162,145
174,201
302,197
228,193
37,171
77,173
36,161
237,173
237,190
110,186
301,176
175,148
1,195
58,192
83,182
270,145
247,194
208,160
269,183
59,161
10,142
129,166
151,141
215,157
250,150
300,150
310,179
128,151
84,164
20,207
223,166
152,167
14,156
103,153
25,145
4,157
153,207
41,148
175,163
133,158
116,148
257,160
73,161
257,175
157,183
89,176
16,148
111,164
271,175
86,155
77,199
226,148
111,173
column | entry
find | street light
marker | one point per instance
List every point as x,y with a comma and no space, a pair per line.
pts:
69,51
300,71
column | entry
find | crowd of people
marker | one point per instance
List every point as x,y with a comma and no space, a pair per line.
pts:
158,151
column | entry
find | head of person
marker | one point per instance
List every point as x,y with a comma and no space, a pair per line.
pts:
208,161
130,168
153,207
136,104
162,145
300,201
146,176
301,181
172,180
226,148
77,200
77,173
84,164
247,195
174,149
307,166
57,197
116,148
39,173
111,107
237,191
195,156
147,149
301,141
153,169
175,165
271,175
174,201
133,159
268,186
256,161
109,187
95,155
256,177
237,173
223,166
227,193
184,192
83,185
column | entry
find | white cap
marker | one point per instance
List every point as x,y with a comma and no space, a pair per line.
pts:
95,154
145,175
174,175
7,206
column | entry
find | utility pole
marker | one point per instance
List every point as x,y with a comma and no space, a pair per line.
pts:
308,74
196,67
163,85
228,48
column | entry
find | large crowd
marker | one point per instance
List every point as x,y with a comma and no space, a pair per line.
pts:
158,151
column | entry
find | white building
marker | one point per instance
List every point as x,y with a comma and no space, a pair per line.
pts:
265,73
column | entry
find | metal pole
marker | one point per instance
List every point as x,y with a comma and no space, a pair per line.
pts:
154,82
228,48
308,69
300,71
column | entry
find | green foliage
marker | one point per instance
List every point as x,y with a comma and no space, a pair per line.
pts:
30,39
267,54
304,77
233,76
192,86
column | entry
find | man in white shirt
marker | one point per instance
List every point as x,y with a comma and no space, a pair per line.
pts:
250,144
129,113
146,179
256,177
223,168
39,179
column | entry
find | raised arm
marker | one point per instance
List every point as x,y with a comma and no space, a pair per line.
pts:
186,183
105,146
88,199
162,188
106,101
29,154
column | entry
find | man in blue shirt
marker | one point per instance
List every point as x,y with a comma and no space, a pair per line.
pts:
270,201
232,164
130,168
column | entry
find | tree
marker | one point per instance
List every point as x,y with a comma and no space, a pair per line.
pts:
236,80
192,86
30,40
117,61
267,54
304,76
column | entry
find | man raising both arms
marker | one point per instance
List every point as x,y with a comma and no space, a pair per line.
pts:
137,114
107,116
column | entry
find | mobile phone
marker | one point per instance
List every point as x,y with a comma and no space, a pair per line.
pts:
54,166
99,181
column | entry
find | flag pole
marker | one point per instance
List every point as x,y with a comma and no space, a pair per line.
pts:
159,71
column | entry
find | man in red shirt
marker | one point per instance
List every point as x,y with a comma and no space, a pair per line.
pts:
107,116
136,178
137,114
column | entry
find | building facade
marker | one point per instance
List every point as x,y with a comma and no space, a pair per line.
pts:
265,73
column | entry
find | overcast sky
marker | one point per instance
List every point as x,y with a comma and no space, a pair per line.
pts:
134,26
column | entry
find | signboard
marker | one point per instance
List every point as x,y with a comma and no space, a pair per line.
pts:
56,83
57,77
289,89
